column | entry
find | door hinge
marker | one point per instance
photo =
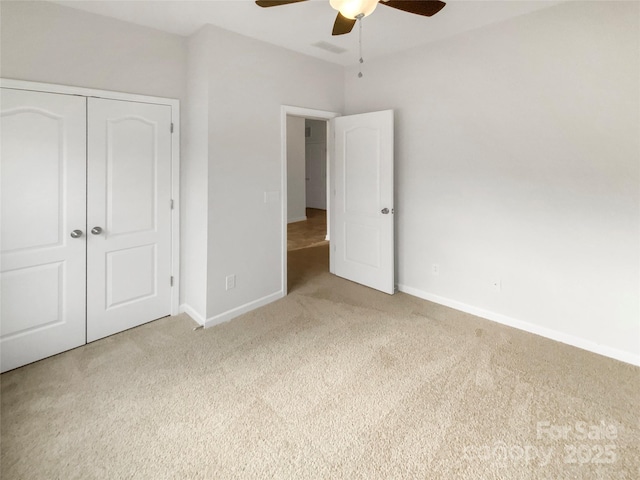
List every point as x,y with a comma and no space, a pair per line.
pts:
171,281
171,127
171,203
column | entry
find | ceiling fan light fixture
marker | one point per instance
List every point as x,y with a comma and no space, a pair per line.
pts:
352,8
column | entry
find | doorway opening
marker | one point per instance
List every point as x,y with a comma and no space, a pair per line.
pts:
306,183
306,146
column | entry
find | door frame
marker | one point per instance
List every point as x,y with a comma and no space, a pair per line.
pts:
175,155
311,114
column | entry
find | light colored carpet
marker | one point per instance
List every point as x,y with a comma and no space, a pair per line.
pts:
308,233
334,381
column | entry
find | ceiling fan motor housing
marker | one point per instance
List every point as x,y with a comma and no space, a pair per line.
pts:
353,8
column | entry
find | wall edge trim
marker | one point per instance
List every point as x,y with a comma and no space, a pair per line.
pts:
558,336
247,307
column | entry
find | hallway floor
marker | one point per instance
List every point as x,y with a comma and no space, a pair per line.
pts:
308,233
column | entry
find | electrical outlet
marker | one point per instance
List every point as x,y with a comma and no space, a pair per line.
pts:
231,282
435,269
496,285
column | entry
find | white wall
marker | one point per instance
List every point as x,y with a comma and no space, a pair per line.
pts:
46,42
296,184
249,81
517,158
194,181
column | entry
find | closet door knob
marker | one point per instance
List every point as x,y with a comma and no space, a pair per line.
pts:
96,230
76,234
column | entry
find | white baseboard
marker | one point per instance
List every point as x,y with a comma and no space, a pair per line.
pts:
247,307
185,308
297,219
562,337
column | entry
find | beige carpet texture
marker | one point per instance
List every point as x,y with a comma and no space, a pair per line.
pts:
335,381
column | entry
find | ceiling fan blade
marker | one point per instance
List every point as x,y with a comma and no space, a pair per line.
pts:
425,8
276,3
342,25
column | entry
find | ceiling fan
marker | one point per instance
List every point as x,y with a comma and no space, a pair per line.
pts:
349,11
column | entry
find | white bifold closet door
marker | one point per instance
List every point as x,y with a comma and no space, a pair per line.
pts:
86,220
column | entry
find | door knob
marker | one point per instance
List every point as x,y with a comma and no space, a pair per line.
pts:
385,211
76,234
96,230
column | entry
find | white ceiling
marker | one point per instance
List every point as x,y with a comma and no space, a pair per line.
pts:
299,26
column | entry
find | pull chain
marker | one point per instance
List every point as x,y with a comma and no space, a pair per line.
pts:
360,17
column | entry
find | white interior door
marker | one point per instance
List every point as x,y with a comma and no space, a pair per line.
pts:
129,215
362,238
316,175
43,182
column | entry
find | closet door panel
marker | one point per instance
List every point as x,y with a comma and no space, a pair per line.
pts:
129,185
43,200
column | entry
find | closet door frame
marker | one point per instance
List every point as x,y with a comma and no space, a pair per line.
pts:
175,156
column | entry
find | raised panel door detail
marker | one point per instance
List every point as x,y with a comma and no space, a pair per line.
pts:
131,171
32,298
131,275
361,171
31,173
362,244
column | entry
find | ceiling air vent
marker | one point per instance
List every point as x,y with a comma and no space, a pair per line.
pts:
329,47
